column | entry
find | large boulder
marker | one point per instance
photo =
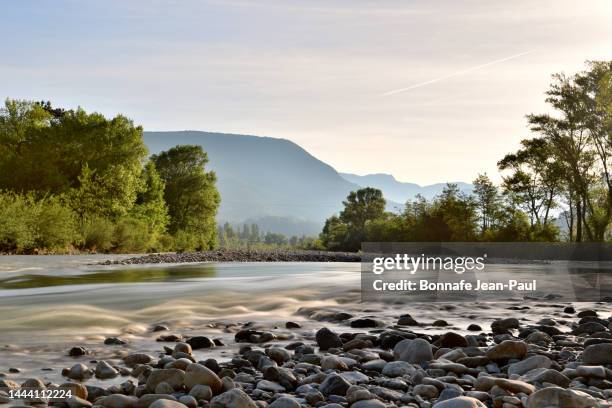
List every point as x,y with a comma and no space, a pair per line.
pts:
415,351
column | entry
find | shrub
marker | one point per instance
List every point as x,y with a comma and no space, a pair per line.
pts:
97,233
132,235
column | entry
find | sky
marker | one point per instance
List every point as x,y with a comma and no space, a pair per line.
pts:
429,91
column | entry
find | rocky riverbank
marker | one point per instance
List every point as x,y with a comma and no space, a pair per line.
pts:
563,360
281,255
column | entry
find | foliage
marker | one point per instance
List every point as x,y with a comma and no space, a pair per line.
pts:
77,180
190,194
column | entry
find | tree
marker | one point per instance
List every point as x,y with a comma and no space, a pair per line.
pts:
190,193
487,200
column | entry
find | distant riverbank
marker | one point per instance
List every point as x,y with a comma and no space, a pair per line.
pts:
237,255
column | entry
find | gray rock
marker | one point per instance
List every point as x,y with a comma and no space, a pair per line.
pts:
188,401
559,397
270,386
166,403
201,392
163,388
79,372
105,370
597,354
448,393
460,402
398,369
529,364
544,375
137,358
415,351
334,385
285,402
354,377
235,398
370,403
425,391
591,371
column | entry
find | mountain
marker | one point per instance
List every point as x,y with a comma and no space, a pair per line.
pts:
272,182
399,191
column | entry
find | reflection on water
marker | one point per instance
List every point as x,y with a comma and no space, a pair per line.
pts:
117,276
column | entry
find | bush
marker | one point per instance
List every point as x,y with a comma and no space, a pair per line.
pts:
16,223
132,235
97,234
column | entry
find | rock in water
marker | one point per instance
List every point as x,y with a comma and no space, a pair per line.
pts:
597,354
327,339
460,402
562,398
415,351
105,370
235,398
200,342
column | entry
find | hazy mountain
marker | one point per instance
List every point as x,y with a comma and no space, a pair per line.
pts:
399,191
272,182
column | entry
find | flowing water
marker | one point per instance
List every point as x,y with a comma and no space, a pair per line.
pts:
49,304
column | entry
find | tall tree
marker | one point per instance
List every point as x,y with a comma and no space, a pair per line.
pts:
487,200
190,193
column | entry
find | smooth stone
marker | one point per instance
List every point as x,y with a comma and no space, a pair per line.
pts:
502,325
354,377
507,349
79,372
163,388
333,363
285,402
201,392
104,370
188,401
270,386
591,371
546,375
425,391
199,374
369,403
173,376
562,398
77,402
452,340
166,403
597,354
398,369
235,398
460,402
407,320
146,400
529,364
200,342
334,385
448,393
415,351
118,401
327,339
137,358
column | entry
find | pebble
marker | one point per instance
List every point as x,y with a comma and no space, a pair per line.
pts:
413,351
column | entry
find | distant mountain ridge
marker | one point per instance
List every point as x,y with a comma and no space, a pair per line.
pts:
277,184
400,191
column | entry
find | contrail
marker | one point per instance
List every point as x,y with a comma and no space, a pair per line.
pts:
454,74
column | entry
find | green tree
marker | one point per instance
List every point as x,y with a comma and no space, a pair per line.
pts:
487,200
190,193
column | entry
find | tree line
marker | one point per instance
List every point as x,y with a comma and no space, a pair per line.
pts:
250,236
72,180
561,176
